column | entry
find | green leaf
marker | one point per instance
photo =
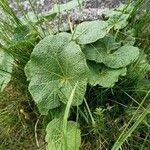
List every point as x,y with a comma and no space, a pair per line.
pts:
56,65
37,19
101,75
90,31
65,7
22,43
143,63
45,17
31,17
21,32
129,40
6,66
117,19
99,50
139,70
102,51
55,136
122,57
126,8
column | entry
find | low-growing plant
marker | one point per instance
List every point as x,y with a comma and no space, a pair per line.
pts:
88,55
62,66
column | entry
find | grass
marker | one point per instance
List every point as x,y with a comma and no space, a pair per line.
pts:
66,115
127,132
116,118
16,124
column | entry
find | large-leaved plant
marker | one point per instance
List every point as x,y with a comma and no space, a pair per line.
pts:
87,56
62,65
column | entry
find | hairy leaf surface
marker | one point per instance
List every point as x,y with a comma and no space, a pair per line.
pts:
102,52
55,136
98,51
90,31
101,75
122,57
56,64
